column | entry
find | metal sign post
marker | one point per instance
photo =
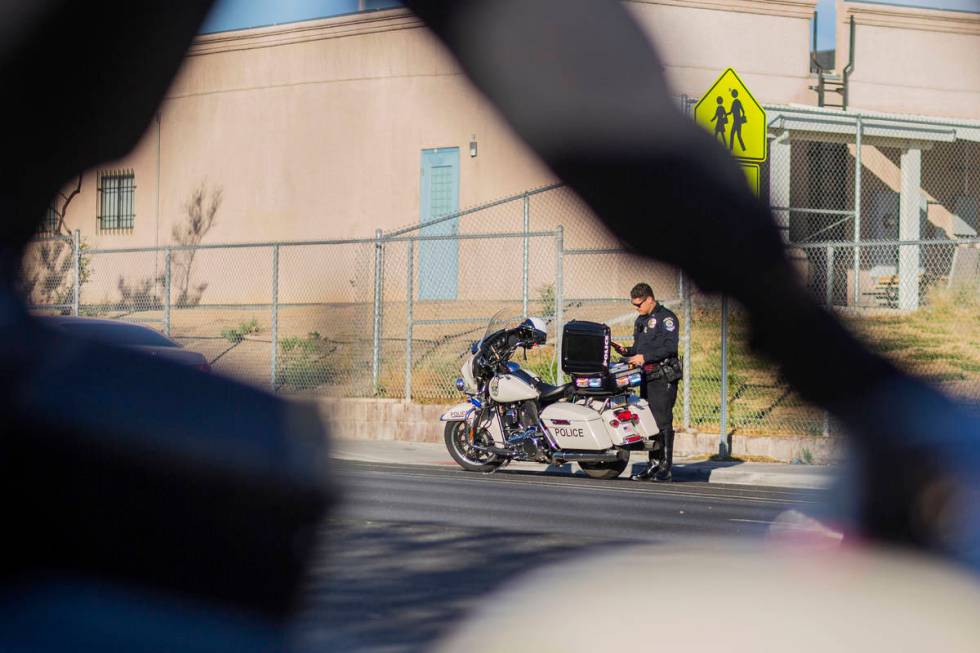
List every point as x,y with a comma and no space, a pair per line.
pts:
738,122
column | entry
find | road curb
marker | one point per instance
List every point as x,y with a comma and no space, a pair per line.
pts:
395,452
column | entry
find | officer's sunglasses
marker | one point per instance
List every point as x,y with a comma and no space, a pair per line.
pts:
642,302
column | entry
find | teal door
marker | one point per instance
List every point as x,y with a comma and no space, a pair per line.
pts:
439,259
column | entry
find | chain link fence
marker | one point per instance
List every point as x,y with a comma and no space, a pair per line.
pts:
51,273
879,216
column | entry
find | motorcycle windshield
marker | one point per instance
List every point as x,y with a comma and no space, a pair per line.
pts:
505,318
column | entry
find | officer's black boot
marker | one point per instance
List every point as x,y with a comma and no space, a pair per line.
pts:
662,473
650,470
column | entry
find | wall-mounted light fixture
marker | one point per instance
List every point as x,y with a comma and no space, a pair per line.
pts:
473,146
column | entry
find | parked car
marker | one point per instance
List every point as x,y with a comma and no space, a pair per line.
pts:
129,335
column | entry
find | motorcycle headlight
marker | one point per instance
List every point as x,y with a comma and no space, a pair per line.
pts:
460,385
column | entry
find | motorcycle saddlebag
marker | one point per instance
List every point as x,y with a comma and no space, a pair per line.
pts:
585,348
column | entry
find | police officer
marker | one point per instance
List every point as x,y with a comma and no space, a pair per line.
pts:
655,336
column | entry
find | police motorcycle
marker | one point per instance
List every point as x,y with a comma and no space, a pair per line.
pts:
511,414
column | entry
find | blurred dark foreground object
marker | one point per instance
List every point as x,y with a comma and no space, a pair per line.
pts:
120,333
147,506
146,471
214,504
187,491
580,83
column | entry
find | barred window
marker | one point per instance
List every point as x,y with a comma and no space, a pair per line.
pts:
117,190
50,221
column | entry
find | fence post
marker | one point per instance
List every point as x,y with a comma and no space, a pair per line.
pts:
829,290
376,339
275,315
76,253
559,298
167,281
527,228
409,327
859,129
723,427
688,327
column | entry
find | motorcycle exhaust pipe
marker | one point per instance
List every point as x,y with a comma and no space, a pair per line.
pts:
564,457
499,451
576,457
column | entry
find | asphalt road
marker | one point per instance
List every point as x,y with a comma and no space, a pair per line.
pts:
411,550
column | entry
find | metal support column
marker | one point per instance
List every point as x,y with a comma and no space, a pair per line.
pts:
829,290
559,298
167,284
376,336
409,299
723,429
909,228
76,254
275,315
687,326
527,228
859,126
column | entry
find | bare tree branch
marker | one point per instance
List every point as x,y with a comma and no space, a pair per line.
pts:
201,211
64,205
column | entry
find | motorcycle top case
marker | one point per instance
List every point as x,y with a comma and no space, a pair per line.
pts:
585,348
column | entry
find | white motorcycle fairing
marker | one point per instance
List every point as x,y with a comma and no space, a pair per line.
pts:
623,433
576,427
507,389
463,412
466,373
466,412
648,425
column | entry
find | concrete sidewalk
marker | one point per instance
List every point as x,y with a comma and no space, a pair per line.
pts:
816,477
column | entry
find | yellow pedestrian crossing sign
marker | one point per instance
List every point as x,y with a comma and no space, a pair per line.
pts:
729,111
752,175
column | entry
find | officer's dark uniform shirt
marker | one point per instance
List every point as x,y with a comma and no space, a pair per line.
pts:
655,335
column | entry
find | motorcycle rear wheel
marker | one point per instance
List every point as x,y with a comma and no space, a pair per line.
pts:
604,471
460,447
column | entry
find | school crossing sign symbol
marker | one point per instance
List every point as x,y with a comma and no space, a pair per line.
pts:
737,121
729,111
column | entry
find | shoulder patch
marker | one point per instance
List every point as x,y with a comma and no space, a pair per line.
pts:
652,323
669,323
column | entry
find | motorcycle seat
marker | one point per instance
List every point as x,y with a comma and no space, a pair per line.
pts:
551,393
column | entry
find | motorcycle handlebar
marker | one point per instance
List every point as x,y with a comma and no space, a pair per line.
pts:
501,346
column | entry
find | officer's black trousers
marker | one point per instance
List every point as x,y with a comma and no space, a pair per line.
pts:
662,395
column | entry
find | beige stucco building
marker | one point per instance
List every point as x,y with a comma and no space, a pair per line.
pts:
325,129
315,129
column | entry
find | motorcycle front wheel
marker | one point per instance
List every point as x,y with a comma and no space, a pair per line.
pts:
604,470
457,435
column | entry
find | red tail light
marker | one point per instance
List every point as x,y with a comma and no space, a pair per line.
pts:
627,416
204,367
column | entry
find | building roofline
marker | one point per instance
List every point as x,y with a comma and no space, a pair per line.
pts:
783,8
905,17
345,25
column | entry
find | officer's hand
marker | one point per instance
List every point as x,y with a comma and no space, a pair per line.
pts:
618,347
635,360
